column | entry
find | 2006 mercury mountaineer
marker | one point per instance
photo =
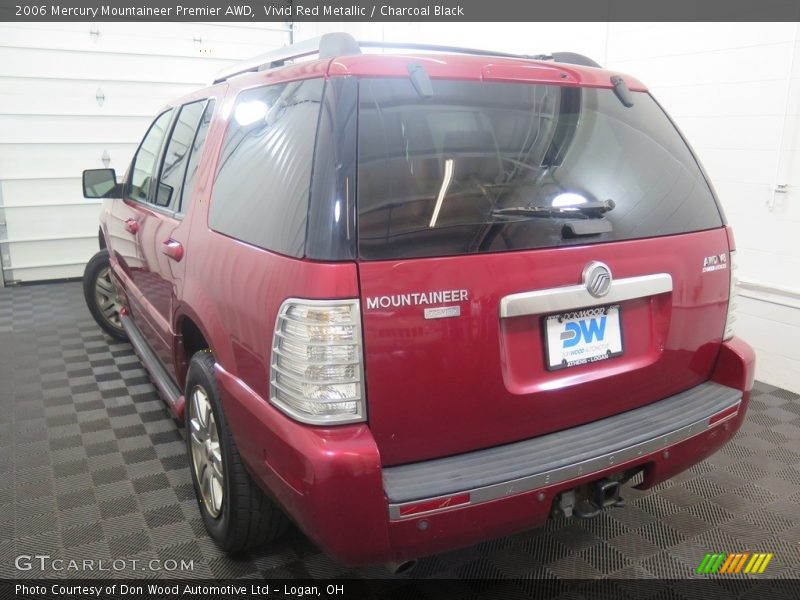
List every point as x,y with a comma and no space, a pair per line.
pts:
416,301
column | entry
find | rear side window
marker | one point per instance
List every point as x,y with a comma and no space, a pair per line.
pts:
262,186
489,167
177,154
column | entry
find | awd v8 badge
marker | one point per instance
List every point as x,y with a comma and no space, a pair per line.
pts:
715,262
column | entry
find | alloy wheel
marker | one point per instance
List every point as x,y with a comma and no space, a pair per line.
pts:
206,451
106,297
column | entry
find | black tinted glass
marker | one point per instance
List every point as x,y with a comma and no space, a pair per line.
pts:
195,155
177,155
143,170
488,167
262,186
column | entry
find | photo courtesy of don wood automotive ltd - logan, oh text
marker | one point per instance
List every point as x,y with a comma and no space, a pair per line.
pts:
390,299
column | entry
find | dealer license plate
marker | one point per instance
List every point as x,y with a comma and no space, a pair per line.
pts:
582,336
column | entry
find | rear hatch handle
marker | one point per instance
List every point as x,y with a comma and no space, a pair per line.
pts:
572,297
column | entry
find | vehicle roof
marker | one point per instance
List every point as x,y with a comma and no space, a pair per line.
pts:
444,66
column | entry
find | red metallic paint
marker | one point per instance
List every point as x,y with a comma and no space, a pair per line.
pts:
329,480
478,68
447,386
434,388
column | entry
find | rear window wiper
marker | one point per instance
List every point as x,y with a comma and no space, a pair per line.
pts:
586,210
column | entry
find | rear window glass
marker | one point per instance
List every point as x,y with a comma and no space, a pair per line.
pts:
490,167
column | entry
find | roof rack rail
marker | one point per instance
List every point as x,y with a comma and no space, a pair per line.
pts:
328,45
331,45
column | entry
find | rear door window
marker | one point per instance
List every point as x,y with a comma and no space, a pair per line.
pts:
489,167
176,156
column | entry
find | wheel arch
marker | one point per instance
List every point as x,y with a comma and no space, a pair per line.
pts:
194,332
191,337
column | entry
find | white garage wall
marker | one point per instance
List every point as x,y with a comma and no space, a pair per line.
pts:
72,93
734,90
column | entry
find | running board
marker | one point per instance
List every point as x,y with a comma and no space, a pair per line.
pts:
158,373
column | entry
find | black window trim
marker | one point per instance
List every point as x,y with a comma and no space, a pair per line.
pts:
210,101
339,101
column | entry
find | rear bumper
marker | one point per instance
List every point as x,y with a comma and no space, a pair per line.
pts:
554,458
332,484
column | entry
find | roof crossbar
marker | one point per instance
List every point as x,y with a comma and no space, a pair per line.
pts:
331,45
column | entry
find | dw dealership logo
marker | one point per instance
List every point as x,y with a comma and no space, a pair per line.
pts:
731,564
589,326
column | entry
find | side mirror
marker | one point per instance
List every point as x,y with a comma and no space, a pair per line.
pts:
164,195
100,183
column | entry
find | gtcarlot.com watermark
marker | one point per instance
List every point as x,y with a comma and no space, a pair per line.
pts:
44,562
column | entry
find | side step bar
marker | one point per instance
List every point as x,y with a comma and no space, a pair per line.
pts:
158,373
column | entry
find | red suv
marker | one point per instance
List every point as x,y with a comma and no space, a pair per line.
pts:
412,302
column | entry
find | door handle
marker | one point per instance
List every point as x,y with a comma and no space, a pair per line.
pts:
132,226
173,249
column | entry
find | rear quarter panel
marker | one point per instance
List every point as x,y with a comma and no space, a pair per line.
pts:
233,290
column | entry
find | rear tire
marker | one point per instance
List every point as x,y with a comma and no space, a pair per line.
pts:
236,513
100,294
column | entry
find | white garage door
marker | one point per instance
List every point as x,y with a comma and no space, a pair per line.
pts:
77,96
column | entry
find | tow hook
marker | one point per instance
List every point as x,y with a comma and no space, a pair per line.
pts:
606,493
586,502
601,495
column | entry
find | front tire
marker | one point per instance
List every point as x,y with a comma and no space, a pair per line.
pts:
235,511
100,294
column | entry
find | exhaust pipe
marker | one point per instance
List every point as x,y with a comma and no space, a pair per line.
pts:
401,567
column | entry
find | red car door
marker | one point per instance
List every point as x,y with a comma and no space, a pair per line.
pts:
129,227
151,219
163,231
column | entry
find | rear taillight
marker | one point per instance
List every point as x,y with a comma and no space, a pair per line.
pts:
317,373
729,333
